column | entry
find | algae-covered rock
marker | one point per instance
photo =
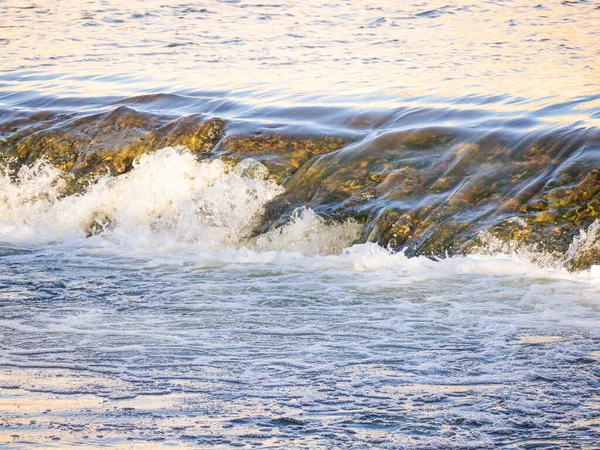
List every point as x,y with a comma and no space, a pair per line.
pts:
282,154
432,191
111,141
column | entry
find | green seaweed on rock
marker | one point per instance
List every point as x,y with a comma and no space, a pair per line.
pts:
281,154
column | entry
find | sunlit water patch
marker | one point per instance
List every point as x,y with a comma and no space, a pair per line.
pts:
487,53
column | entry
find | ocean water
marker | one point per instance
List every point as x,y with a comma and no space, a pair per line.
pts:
147,313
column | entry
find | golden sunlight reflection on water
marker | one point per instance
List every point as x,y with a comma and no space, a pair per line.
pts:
274,49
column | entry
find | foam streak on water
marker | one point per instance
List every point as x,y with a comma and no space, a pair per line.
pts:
238,347
170,315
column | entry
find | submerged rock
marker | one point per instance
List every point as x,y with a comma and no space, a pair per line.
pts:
95,144
432,191
282,154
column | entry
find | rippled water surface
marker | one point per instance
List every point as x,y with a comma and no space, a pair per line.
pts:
291,51
146,312
246,349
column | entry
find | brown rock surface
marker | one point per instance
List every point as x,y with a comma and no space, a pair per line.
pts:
430,191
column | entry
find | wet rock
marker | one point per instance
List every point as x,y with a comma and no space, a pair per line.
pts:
93,145
282,154
88,146
431,191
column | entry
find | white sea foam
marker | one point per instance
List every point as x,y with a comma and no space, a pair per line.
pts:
586,241
169,200
26,199
309,234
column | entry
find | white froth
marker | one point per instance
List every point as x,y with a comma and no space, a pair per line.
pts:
587,240
309,234
26,199
169,200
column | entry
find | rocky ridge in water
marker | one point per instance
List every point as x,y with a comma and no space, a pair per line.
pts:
431,191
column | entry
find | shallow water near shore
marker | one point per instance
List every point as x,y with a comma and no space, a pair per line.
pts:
192,197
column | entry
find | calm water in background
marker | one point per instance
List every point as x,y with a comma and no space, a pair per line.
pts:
138,337
358,52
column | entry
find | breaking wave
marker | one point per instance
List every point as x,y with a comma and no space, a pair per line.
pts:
169,200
